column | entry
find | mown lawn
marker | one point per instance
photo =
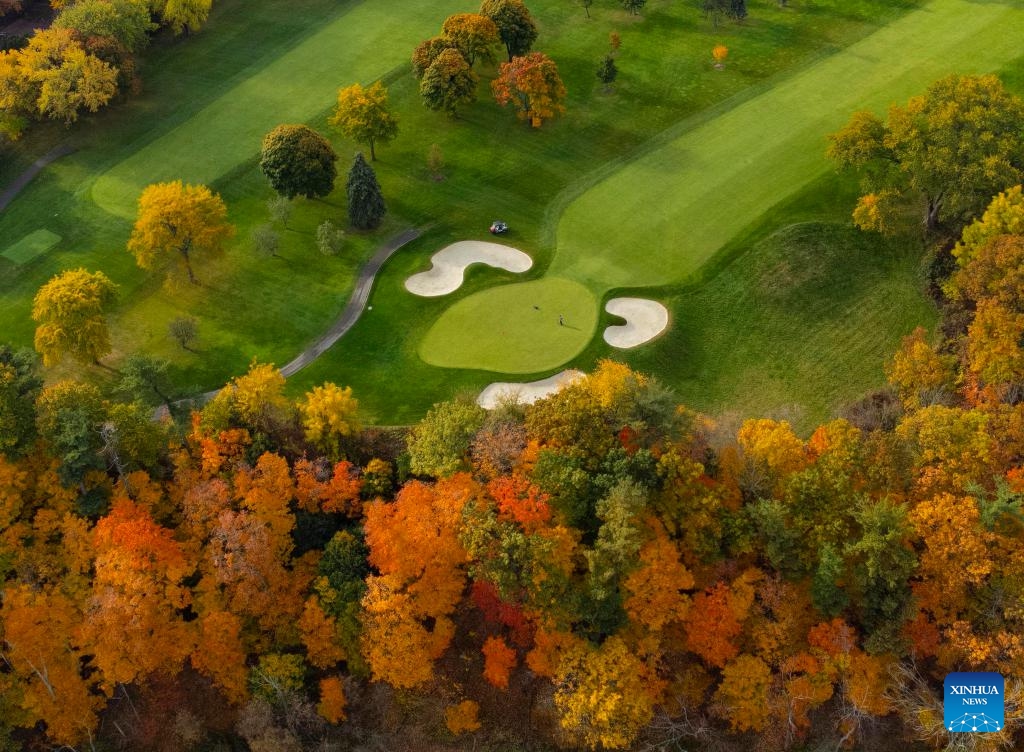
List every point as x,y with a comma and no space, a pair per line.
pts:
496,168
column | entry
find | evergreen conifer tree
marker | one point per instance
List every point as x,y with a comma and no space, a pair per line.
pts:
365,201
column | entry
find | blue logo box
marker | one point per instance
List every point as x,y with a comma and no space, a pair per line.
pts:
974,702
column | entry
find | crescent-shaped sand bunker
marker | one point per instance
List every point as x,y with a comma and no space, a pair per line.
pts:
645,320
449,266
525,393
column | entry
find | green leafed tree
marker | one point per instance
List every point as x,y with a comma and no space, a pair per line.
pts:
126,21
607,71
942,156
440,442
71,310
19,386
298,161
516,26
448,82
366,207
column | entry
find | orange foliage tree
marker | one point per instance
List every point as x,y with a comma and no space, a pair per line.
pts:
534,87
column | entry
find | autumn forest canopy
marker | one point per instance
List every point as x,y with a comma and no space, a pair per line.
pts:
261,489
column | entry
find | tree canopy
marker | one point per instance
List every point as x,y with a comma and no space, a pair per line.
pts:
363,115
516,26
175,222
298,161
534,87
942,155
366,206
70,311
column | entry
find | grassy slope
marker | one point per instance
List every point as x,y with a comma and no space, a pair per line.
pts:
714,179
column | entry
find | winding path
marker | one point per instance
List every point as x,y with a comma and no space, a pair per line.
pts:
18,185
349,316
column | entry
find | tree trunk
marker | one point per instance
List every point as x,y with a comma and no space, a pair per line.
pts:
373,154
188,262
931,221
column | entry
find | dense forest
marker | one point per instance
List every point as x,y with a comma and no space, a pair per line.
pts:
601,569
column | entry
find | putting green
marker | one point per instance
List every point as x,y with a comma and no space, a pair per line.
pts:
661,217
31,246
514,328
360,46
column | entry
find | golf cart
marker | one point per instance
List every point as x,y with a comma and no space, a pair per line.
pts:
498,227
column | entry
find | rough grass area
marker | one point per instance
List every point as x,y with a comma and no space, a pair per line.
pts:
514,328
797,327
32,246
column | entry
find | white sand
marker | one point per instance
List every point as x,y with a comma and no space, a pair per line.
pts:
449,266
528,393
645,320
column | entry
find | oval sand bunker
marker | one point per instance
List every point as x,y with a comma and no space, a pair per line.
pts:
449,266
525,393
645,320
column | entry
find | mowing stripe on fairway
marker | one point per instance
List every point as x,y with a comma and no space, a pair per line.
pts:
32,246
662,216
360,46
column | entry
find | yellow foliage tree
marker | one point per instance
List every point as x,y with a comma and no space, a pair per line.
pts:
1004,216
743,693
772,445
363,116
255,400
70,312
329,414
185,15
605,695
917,371
462,717
175,222
54,77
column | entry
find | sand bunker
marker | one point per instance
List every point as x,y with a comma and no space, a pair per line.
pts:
528,393
449,266
645,320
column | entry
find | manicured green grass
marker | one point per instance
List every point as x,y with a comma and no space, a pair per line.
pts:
31,246
661,217
361,45
514,328
496,167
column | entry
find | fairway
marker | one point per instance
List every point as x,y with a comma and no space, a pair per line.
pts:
360,46
514,328
32,246
660,218
713,180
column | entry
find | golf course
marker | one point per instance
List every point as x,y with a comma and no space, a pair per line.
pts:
704,189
